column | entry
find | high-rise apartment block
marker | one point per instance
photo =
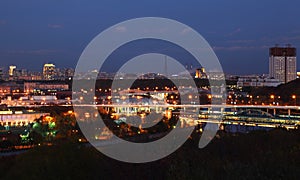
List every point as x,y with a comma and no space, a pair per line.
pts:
49,72
282,63
11,70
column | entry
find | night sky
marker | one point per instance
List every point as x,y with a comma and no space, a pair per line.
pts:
34,32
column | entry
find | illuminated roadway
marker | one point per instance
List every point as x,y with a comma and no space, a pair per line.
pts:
215,117
170,105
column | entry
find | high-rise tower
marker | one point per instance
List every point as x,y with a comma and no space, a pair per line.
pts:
11,70
49,71
282,63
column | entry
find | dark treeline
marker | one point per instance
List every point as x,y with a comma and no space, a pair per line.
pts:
151,83
257,155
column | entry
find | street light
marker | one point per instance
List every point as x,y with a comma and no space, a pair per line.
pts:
272,97
295,99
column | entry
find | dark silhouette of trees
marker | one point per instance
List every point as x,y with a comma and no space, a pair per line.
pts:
257,155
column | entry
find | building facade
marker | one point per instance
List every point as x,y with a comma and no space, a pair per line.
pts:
29,87
11,70
49,72
257,82
19,118
282,63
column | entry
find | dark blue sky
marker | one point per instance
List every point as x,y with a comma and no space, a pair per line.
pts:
34,32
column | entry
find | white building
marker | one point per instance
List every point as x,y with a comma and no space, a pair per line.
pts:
282,63
257,82
19,118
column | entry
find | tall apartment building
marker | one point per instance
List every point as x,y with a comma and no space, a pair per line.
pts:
49,71
282,63
11,70
1,73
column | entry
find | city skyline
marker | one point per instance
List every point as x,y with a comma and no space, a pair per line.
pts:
55,33
162,62
158,89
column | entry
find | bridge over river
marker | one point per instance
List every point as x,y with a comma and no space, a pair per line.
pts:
247,115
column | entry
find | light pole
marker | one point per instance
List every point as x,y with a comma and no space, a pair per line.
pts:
230,99
272,97
295,99
209,98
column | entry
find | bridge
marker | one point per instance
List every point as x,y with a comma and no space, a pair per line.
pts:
216,114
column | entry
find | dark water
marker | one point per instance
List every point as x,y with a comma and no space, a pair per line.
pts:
244,129
12,153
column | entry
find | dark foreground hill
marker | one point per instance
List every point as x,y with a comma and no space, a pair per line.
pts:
257,155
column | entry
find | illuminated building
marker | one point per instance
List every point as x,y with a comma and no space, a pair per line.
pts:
12,70
257,82
49,71
282,63
200,73
135,97
5,90
298,74
31,86
10,118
